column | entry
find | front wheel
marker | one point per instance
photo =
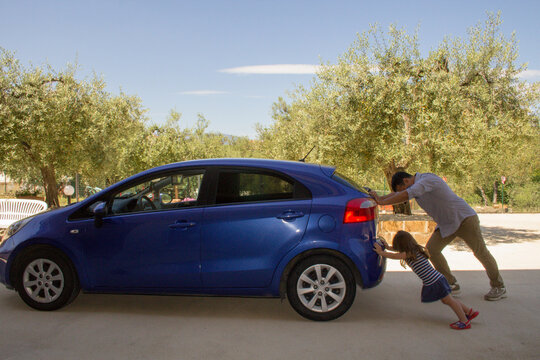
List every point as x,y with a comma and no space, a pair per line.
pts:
321,288
46,280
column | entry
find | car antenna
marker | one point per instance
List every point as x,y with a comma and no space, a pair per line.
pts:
309,152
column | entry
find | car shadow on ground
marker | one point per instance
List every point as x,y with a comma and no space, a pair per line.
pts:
180,306
396,299
500,235
369,305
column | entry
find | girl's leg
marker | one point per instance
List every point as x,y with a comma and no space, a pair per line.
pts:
463,306
457,306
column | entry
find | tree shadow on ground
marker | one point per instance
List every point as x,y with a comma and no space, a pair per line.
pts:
499,235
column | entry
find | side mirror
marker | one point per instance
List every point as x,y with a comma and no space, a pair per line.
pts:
100,210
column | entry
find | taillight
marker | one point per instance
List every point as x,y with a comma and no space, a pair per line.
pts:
360,210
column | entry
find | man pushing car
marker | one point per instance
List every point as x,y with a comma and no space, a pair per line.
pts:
454,218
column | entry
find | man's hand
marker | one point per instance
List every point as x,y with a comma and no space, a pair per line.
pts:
390,199
374,195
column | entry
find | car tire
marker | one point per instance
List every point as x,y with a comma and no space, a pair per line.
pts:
46,280
321,288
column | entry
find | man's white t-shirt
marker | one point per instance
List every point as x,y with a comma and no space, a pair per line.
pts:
440,202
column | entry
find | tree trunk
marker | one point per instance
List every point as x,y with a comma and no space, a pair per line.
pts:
49,183
494,193
389,171
484,197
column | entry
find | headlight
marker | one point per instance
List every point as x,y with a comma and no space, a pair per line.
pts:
13,228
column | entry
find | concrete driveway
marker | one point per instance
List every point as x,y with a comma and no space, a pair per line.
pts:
387,322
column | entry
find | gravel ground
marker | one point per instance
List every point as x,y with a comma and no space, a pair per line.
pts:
387,322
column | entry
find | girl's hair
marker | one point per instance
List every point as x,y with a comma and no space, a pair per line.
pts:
404,242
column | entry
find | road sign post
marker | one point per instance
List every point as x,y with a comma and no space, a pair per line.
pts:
503,180
68,191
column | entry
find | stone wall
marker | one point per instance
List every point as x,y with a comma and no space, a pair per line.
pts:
420,226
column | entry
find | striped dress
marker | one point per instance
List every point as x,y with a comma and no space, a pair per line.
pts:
423,268
435,285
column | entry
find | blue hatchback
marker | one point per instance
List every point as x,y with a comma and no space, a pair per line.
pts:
241,227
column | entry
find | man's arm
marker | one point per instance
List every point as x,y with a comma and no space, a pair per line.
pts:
390,199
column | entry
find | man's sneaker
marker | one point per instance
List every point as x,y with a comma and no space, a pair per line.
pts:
456,290
471,314
458,325
496,293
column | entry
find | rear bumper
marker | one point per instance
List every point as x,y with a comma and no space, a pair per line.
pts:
372,270
358,240
381,270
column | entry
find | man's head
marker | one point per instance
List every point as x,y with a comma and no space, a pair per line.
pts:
401,180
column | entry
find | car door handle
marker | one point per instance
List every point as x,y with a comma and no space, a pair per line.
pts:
112,221
182,225
290,215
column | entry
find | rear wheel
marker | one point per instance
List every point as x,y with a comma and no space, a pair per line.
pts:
321,288
46,280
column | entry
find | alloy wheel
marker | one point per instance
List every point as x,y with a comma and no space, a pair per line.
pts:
43,281
321,288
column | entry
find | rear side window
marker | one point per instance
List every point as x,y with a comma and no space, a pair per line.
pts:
240,186
343,180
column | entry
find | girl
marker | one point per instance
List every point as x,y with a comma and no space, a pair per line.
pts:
435,285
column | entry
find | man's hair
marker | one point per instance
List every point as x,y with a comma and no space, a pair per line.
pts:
397,179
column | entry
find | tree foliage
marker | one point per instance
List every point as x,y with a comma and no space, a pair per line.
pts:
53,126
383,107
52,123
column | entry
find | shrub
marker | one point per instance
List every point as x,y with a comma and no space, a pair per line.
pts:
526,196
26,192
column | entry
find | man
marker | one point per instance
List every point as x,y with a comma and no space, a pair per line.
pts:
454,218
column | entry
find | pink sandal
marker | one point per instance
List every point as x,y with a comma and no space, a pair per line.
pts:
458,325
472,314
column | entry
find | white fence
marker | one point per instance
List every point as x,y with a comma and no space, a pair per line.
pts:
12,210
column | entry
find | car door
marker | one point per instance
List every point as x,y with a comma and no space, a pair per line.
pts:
150,237
257,216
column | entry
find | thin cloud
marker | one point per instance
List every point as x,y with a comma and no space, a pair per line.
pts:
278,69
203,92
530,74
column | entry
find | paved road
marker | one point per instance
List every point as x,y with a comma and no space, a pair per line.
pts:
513,239
387,322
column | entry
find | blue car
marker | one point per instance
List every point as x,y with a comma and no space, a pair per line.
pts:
238,227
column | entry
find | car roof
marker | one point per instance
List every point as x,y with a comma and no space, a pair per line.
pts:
283,165
290,167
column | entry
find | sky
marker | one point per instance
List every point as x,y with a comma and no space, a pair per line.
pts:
231,60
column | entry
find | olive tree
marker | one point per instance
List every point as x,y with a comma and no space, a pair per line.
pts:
52,123
383,107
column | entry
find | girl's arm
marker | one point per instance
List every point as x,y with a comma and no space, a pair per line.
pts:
386,245
398,256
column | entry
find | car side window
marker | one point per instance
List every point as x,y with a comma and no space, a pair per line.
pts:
245,186
182,190
178,190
